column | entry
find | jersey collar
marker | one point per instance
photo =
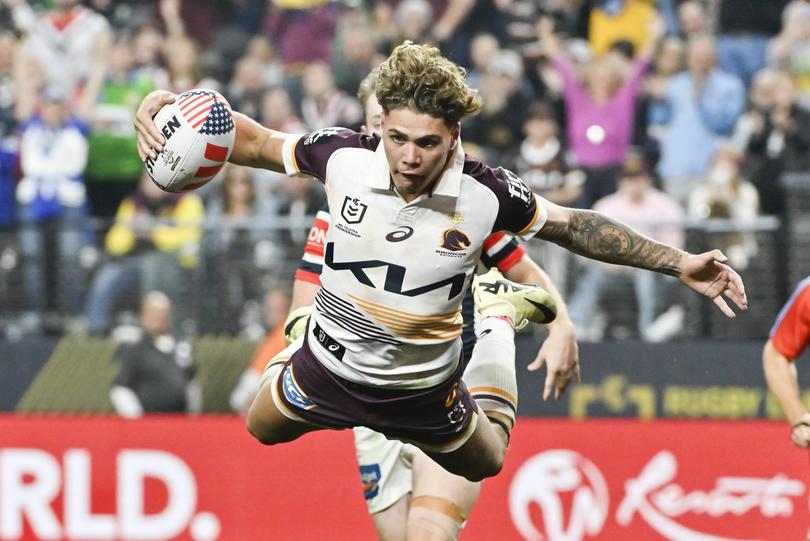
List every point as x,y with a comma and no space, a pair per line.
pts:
449,184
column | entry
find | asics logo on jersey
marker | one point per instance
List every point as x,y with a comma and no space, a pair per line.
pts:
455,240
353,210
400,234
394,277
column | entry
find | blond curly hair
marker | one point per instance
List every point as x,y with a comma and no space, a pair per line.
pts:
367,86
418,77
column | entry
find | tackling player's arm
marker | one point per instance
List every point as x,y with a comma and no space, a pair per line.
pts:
255,145
307,278
559,351
782,378
303,294
597,236
300,309
789,337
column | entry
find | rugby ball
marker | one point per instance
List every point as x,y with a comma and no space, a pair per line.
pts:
199,132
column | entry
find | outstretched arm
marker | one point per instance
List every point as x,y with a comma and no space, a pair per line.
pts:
255,145
655,33
597,236
546,35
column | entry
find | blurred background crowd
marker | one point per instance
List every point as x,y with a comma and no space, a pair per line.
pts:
688,119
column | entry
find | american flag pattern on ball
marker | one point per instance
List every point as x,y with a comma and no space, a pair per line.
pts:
219,120
215,153
199,133
207,109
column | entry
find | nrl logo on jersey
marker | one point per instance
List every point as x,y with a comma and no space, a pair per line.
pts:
325,133
353,210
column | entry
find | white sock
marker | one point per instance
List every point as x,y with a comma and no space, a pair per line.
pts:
490,375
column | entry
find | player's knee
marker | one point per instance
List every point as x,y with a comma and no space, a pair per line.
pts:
261,430
258,431
489,465
260,421
493,467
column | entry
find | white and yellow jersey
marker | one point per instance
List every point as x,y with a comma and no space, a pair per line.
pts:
389,310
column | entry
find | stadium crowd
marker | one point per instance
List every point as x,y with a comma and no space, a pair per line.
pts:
668,112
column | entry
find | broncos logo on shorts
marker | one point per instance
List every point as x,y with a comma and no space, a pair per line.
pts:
293,393
370,476
457,410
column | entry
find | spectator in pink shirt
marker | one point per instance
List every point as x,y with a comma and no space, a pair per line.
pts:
650,211
600,110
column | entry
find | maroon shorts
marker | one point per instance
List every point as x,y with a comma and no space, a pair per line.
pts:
439,418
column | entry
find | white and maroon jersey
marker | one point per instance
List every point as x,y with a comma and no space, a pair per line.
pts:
394,273
501,250
791,332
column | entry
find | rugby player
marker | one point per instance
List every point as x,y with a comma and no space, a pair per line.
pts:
408,495
409,217
789,337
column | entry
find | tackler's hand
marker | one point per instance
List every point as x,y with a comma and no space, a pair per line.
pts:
560,354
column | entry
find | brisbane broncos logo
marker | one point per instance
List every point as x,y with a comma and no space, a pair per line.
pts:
455,240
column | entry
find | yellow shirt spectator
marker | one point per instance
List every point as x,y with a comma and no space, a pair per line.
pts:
170,225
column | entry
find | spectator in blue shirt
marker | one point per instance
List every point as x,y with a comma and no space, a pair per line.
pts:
704,104
51,201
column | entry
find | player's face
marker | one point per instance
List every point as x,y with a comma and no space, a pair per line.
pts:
373,116
417,146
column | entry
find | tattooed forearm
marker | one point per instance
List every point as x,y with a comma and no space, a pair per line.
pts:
597,236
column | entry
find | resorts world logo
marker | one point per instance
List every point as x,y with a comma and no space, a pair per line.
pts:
571,494
543,480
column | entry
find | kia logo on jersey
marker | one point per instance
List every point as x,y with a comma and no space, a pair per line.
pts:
353,210
455,240
399,234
